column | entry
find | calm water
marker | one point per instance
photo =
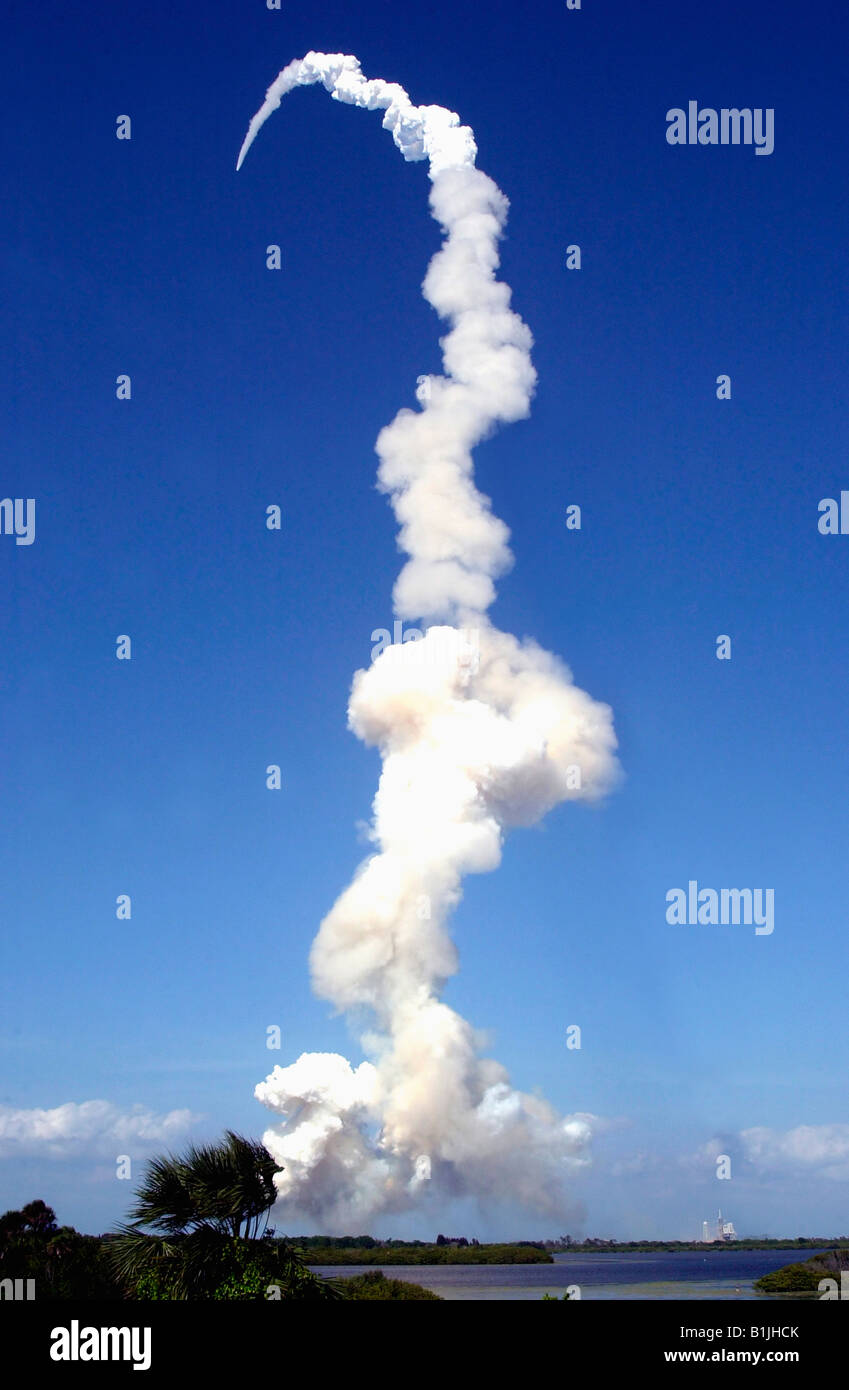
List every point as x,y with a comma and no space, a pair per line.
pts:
688,1274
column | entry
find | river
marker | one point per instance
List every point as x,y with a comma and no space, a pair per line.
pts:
726,1275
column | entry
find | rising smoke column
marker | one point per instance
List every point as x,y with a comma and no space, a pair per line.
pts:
477,731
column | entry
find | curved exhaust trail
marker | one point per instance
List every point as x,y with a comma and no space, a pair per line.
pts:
478,732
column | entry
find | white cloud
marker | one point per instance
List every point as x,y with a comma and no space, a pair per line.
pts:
805,1149
95,1127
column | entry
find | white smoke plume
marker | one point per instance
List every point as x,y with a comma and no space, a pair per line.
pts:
474,739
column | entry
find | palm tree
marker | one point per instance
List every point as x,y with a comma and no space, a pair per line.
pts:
40,1218
209,1209
227,1188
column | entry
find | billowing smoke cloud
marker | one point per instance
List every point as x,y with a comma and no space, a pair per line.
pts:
477,731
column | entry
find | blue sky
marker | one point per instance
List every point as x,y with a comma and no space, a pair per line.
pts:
253,387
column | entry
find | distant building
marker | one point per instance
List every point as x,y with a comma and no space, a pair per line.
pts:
718,1230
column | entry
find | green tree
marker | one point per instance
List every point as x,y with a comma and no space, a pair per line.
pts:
227,1188
63,1263
40,1218
198,1230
